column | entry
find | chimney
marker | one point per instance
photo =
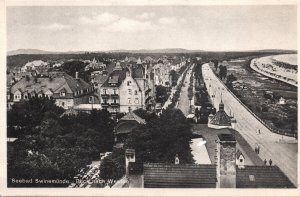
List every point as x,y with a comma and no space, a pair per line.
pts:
226,161
76,75
176,159
129,157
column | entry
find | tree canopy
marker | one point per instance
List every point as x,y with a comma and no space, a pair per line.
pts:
162,138
61,144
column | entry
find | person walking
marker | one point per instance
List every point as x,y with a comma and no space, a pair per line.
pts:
265,161
270,162
258,149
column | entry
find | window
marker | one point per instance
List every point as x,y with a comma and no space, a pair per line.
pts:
63,104
251,178
104,91
115,91
130,91
241,160
129,108
62,93
129,101
136,101
128,83
25,97
135,92
91,99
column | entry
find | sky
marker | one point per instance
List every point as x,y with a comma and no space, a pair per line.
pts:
211,28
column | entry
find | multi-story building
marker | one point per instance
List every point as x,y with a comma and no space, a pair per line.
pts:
126,88
162,74
64,89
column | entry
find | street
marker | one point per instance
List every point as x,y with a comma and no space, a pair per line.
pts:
184,102
283,154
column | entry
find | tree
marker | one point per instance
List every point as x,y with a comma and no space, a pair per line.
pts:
162,138
216,62
222,72
161,94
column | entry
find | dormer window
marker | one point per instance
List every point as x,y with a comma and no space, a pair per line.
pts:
62,93
128,83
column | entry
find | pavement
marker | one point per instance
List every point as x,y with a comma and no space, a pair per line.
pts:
173,90
199,151
283,154
184,102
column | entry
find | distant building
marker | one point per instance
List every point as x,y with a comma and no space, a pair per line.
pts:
281,101
34,65
95,65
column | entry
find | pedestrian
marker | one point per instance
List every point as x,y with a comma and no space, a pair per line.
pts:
258,149
255,149
270,162
265,161
258,131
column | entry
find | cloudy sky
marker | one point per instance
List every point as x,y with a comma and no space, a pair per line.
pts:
143,27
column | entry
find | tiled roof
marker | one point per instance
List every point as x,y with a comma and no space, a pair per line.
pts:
117,76
125,127
132,116
221,118
44,84
113,79
148,59
137,71
179,176
100,78
262,177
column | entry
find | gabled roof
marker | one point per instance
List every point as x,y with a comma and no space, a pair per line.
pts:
239,153
138,71
117,76
157,175
132,116
125,127
262,177
43,84
221,118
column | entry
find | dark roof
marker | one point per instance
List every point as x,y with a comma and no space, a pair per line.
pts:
125,127
132,116
117,76
158,175
137,71
221,118
100,78
262,177
226,137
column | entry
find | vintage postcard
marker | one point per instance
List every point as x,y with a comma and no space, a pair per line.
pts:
110,95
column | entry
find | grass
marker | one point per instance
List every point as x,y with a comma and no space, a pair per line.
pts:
281,117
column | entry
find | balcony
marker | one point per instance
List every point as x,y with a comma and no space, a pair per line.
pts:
114,96
105,95
115,104
105,104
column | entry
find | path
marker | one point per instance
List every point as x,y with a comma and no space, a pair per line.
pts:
284,155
